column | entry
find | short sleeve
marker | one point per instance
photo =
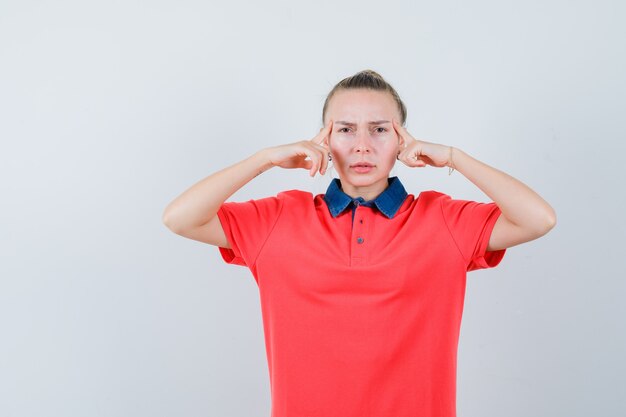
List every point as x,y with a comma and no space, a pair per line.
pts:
470,223
247,225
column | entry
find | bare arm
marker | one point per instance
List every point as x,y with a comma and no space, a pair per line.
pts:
525,214
200,203
193,214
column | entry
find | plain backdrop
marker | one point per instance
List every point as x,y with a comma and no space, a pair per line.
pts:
111,109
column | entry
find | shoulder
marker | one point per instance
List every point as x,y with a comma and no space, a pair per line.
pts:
449,205
433,195
425,203
430,198
436,203
282,197
295,200
295,196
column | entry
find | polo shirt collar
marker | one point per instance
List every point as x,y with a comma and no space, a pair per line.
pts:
388,202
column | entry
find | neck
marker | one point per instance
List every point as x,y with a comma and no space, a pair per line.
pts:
368,192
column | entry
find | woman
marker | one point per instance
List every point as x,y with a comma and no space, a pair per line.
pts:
362,287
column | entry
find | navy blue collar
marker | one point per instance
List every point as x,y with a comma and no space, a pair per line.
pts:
388,202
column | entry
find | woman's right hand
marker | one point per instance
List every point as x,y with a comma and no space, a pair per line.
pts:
293,155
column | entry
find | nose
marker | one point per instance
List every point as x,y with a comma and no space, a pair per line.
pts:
362,143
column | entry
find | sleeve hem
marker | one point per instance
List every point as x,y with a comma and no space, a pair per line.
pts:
229,255
488,259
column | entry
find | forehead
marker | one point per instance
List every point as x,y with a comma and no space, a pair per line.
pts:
362,104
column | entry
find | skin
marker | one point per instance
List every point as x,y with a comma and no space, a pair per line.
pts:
525,214
377,143
381,144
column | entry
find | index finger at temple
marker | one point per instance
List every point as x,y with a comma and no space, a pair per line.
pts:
397,125
319,138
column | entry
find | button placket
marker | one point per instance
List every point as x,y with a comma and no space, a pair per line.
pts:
358,238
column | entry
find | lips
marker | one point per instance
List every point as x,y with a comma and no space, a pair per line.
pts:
362,164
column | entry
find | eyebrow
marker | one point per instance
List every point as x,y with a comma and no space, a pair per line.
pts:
375,122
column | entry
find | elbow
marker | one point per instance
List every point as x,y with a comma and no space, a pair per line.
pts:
548,223
551,219
166,218
541,225
169,225
173,228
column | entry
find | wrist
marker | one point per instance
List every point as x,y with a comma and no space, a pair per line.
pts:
457,155
259,162
263,159
452,153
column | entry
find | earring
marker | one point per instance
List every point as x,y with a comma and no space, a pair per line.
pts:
330,157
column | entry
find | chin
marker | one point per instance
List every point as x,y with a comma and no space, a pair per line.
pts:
364,180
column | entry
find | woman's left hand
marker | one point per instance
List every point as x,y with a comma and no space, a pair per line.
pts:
419,153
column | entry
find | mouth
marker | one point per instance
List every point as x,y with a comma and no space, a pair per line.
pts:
362,164
362,167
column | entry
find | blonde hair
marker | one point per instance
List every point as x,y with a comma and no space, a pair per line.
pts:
367,79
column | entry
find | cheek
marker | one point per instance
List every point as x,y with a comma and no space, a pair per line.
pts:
391,153
387,146
339,146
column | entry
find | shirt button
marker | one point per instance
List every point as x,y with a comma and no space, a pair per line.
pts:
360,240
361,221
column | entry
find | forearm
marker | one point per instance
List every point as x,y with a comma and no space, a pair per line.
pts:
200,203
518,203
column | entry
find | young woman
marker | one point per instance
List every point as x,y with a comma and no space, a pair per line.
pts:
362,287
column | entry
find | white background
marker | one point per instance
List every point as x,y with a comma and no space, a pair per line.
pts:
109,110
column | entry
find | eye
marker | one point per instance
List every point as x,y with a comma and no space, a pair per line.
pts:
383,129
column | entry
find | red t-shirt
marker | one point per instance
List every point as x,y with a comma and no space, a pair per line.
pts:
363,319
